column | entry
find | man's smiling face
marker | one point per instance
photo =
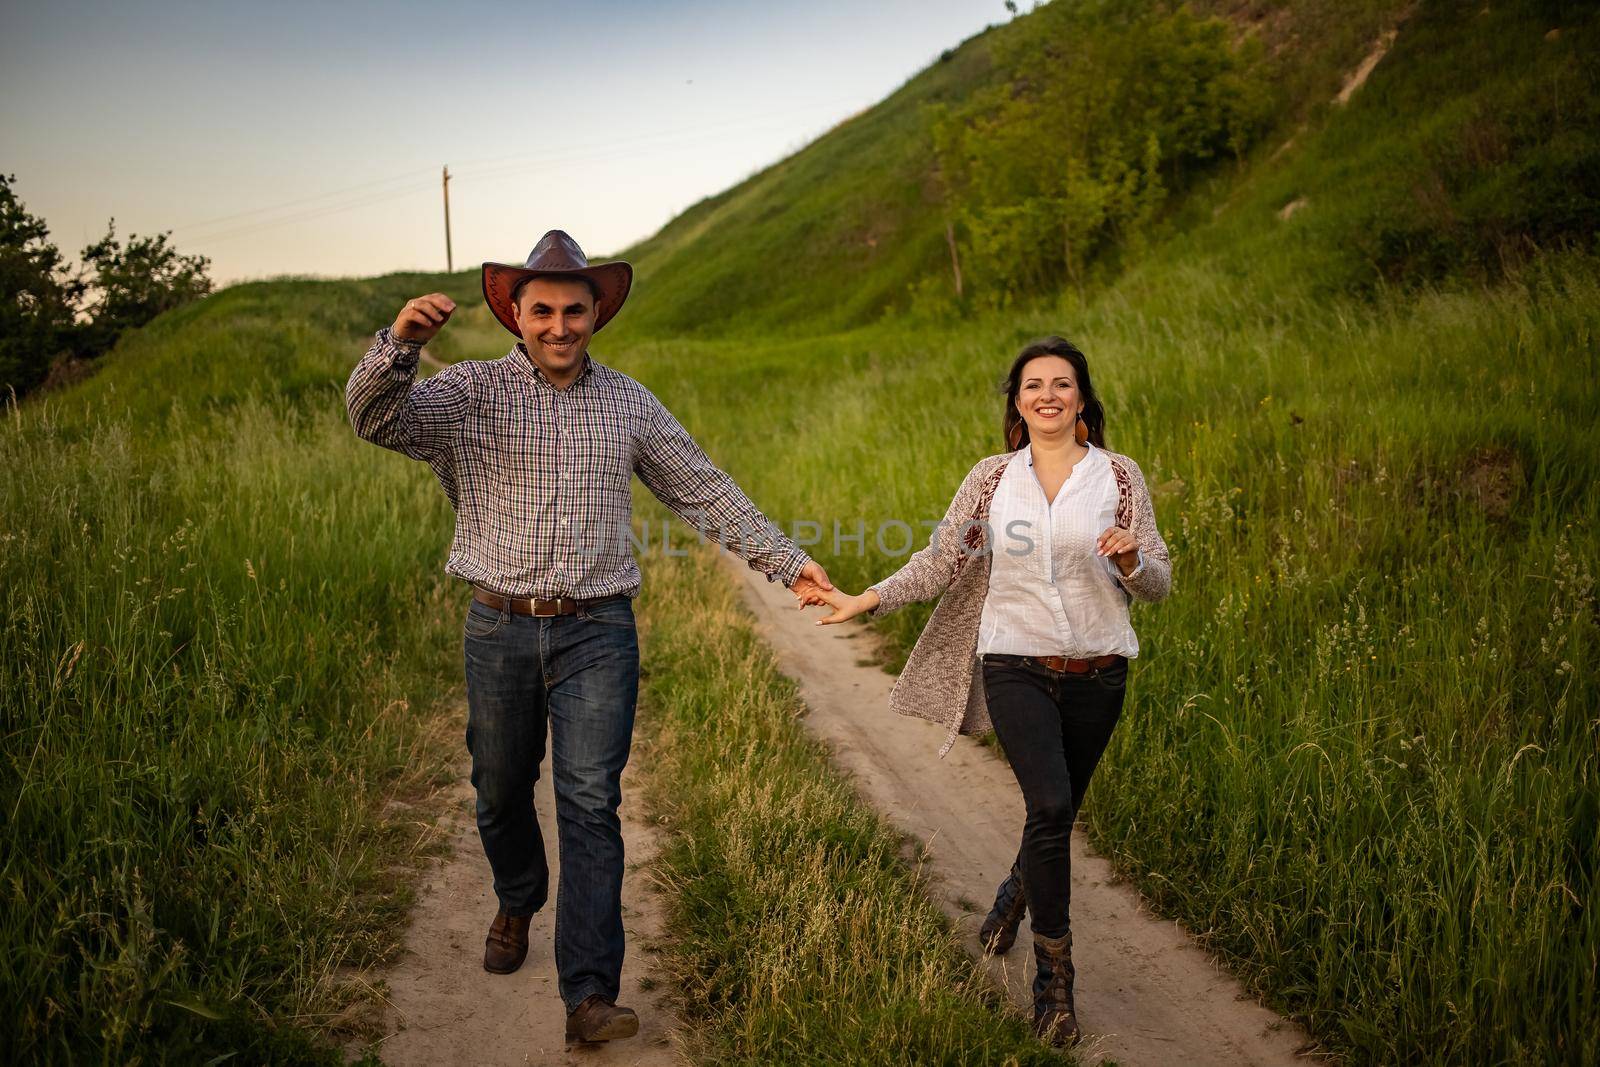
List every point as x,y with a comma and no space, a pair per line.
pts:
556,318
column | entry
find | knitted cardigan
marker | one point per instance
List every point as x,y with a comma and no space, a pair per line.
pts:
938,682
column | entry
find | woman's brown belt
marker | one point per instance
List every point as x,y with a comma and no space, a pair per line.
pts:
1063,665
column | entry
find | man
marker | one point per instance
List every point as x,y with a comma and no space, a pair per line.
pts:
536,451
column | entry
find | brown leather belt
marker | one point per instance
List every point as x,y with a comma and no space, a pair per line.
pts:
1063,665
531,605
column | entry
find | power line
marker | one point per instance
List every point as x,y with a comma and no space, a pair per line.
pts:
294,203
509,166
316,213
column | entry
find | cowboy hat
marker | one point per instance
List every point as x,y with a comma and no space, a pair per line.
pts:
555,256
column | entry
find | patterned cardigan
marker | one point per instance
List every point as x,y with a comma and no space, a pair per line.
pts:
938,682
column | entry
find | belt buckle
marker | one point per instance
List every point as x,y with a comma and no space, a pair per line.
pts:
534,604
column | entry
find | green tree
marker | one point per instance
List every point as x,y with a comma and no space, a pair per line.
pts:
38,296
49,311
130,285
1099,111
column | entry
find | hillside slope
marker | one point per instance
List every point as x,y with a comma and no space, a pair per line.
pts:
1472,142
848,216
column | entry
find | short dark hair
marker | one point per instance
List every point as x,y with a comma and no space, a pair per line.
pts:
594,288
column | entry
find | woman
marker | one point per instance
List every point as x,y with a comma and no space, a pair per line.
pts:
1035,564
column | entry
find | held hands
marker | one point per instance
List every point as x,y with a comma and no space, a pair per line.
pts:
1120,545
421,319
1115,542
813,579
845,607
813,587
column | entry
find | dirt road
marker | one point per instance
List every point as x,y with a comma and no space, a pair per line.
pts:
1146,994
446,1009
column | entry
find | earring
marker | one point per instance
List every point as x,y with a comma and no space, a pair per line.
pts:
1080,431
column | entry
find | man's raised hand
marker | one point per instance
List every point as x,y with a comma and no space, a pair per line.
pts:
421,319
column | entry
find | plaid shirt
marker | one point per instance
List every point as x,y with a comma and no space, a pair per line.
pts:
541,478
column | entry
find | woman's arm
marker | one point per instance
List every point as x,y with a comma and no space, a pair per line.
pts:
845,607
1152,579
932,568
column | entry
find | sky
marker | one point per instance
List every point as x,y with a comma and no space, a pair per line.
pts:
308,138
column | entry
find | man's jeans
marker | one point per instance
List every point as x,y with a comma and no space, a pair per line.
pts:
578,675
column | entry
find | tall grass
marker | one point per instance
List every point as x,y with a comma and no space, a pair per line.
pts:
225,644
1361,751
798,932
1361,754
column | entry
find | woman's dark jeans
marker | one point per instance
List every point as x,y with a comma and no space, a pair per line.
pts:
1053,728
577,676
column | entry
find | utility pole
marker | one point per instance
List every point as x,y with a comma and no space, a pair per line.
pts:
449,260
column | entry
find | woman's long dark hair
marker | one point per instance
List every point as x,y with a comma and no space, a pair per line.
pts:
1016,430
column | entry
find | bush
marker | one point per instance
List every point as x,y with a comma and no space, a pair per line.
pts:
133,285
48,312
1101,110
38,298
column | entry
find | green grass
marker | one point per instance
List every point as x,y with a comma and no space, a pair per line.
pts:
1361,758
797,931
1472,147
225,652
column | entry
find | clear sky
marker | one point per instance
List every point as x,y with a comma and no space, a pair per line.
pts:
602,118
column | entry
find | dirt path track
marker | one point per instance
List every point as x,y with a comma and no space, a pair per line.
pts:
1146,994
446,1009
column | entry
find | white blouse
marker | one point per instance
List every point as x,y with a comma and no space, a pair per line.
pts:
1049,593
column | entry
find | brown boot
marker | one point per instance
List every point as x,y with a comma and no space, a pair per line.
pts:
507,944
1055,1019
598,1019
999,930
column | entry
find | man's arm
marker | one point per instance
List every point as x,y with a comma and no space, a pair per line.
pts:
683,478
388,407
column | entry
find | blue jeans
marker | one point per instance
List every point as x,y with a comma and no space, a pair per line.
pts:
577,676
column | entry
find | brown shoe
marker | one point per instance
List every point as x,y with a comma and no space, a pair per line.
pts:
507,944
598,1019
1055,1017
999,930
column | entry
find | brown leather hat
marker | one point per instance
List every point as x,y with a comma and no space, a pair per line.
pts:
556,255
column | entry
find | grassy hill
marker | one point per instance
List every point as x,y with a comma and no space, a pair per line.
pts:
1357,755
1355,359
1474,135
